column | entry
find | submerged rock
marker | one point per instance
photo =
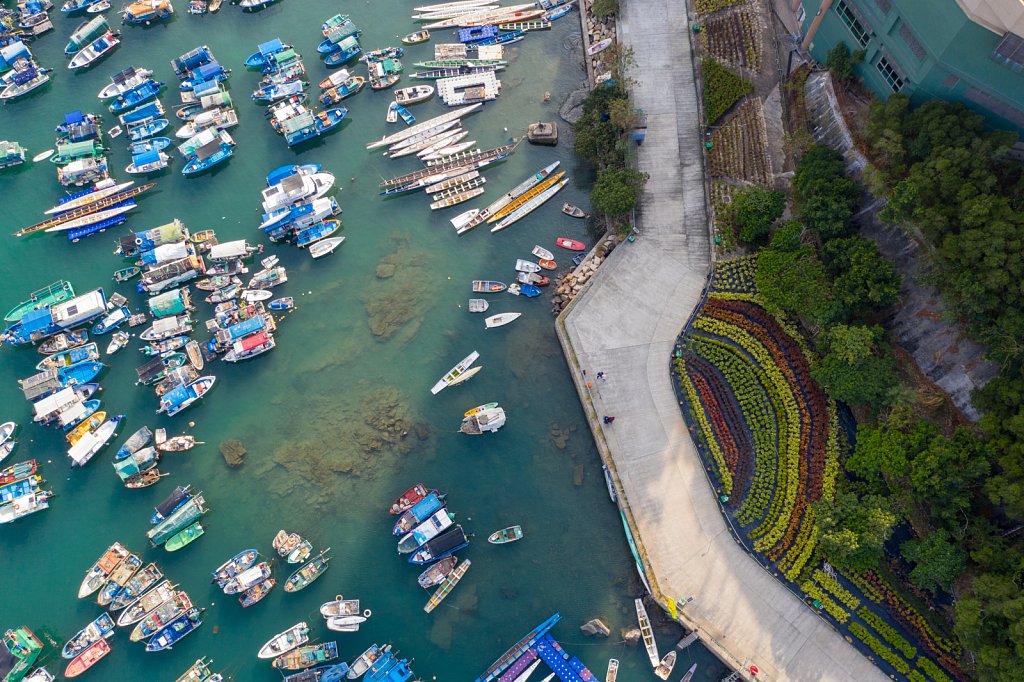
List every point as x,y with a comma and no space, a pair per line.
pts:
399,296
595,627
630,636
233,452
577,475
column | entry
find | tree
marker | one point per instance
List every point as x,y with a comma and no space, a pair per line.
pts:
794,283
853,530
828,208
854,372
865,280
945,475
883,453
938,561
840,61
990,620
820,163
617,190
754,210
622,115
605,8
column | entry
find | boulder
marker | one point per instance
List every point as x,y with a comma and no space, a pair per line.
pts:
595,627
630,636
233,452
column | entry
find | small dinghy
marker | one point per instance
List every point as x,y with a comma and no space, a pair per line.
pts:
283,642
664,668
118,341
570,244
286,303
340,607
505,535
436,573
542,253
478,305
42,155
574,211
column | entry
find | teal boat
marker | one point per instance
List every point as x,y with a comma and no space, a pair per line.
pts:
58,292
184,537
185,515
19,650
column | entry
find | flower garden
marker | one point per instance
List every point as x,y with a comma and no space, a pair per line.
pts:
770,440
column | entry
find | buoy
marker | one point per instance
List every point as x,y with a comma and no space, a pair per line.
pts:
367,613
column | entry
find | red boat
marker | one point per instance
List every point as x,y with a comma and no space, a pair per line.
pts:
17,471
87,659
570,244
547,264
409,498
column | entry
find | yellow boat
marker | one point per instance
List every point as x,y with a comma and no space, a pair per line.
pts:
480,408
525,197
416,38
90,424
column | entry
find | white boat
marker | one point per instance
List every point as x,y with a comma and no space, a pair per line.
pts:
647,634
284,642
345,623
38,78
118,341
478,305
525,675
530,206
101,191
485,421
254,295
339,606
92,442
365,660
98,7
6,431
147,163
414,94
689,674
124,81
431,145
455,372
453,13
501,319
392,115
542,253
94,51
466,376
432,133
325,246
526,266
412,131
599,46
449,150
452,5
43,155
664,668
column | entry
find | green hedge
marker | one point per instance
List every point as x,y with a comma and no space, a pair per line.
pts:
709,6
916,676
934,672
722,89
835,588
880,649
888,633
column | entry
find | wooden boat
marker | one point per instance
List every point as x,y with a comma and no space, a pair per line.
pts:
339,607
414,94
178,444
500,320
234,566
416,37
409,498
97,575
156,619
478,305
505,535
256,592
306,656
348,88
146,604
533,278
246,579
613,670
646,633
97,630
292,546
308,572
139,583
126,274
689,673
118,578
455,372
184,537
175,630
437,572
547,264
483,286
448,584
574,211
87,659
202,236
63,342
570,244
283,642
664,668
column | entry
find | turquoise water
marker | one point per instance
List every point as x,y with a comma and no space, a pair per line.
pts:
338,419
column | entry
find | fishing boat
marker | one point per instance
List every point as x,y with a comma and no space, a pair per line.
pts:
87,659
125,274
24,82
505,535
159,617
286,303
200,670
86,353
455,372
183,537
447,584
79,373
482,286
164,345
647,634
215,283
430,528
253,5
447,543
416,37
574,211
91,442
478,305
437,572
140,94
345,89
257,592
146,11
183,516
489,420
277,91
135,587
559,11
247,579
123,81
417,514
407,117
175,630
613,670
283,642
523,265
94,51
146,604
178,444
182,397
292,546
363,662
118,341
11,154
570,244
340,607
664,668
234,566
101,628
325,247
306,656
64,341
147,162
409,499
167,328
111,320
48,296
178,497
118,578
314,233
96,576
6,449
147,129
266,279
306,574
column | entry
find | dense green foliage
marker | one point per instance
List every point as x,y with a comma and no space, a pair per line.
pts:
824,194
864,280
605,8
617,190
753,211
855,366
722,89
854,528
840,61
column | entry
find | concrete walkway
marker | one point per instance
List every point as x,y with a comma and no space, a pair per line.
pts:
625,324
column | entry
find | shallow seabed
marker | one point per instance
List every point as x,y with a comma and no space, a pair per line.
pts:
338,419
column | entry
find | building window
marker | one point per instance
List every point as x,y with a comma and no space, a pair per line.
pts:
890,74
883,5
1010,52
853,22
912,42
997,107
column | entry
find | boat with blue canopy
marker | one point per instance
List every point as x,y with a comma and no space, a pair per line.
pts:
73,6
153,144
265,51
182,397
277,91
207,72
344,50
417,514
208,156
315,233
142,113
188,62
140,94
147,162
51,319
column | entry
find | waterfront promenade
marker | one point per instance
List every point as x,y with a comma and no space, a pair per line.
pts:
625,324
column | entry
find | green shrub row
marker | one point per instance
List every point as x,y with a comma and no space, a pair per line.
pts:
880,649
888,632
934,672
836,589
722,89
833,609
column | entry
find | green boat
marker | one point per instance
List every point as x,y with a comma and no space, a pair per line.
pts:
182,517
125,274
18,651
308,572
184,537
58,292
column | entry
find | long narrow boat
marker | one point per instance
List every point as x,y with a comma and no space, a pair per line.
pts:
506,660
448,584
464,223
308,573
101,570
100,204
647,634
283,642
454,372
425,125
146,604
160,616
445,168
175,630
530,206
522,198
306,656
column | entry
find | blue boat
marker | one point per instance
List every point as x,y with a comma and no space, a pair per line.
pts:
48,320
165,637
507,659
322,123
142,113
73,6
503,39
89,407
208,156
69,357
174,501
135,442
313,234
417,514
191,60
558,12
441,546
340,92
153,144
272,93
182,397
112,320
388,668
346,50
281,172
138,95
404,113
265,51
337,34
300,215
148,129
146,14
79,373
253,5
321,673
212,71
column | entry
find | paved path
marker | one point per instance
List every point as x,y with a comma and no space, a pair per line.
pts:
625,324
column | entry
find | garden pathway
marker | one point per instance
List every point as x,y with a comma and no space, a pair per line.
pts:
625,324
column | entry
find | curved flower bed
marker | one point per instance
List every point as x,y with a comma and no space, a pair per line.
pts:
770,438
